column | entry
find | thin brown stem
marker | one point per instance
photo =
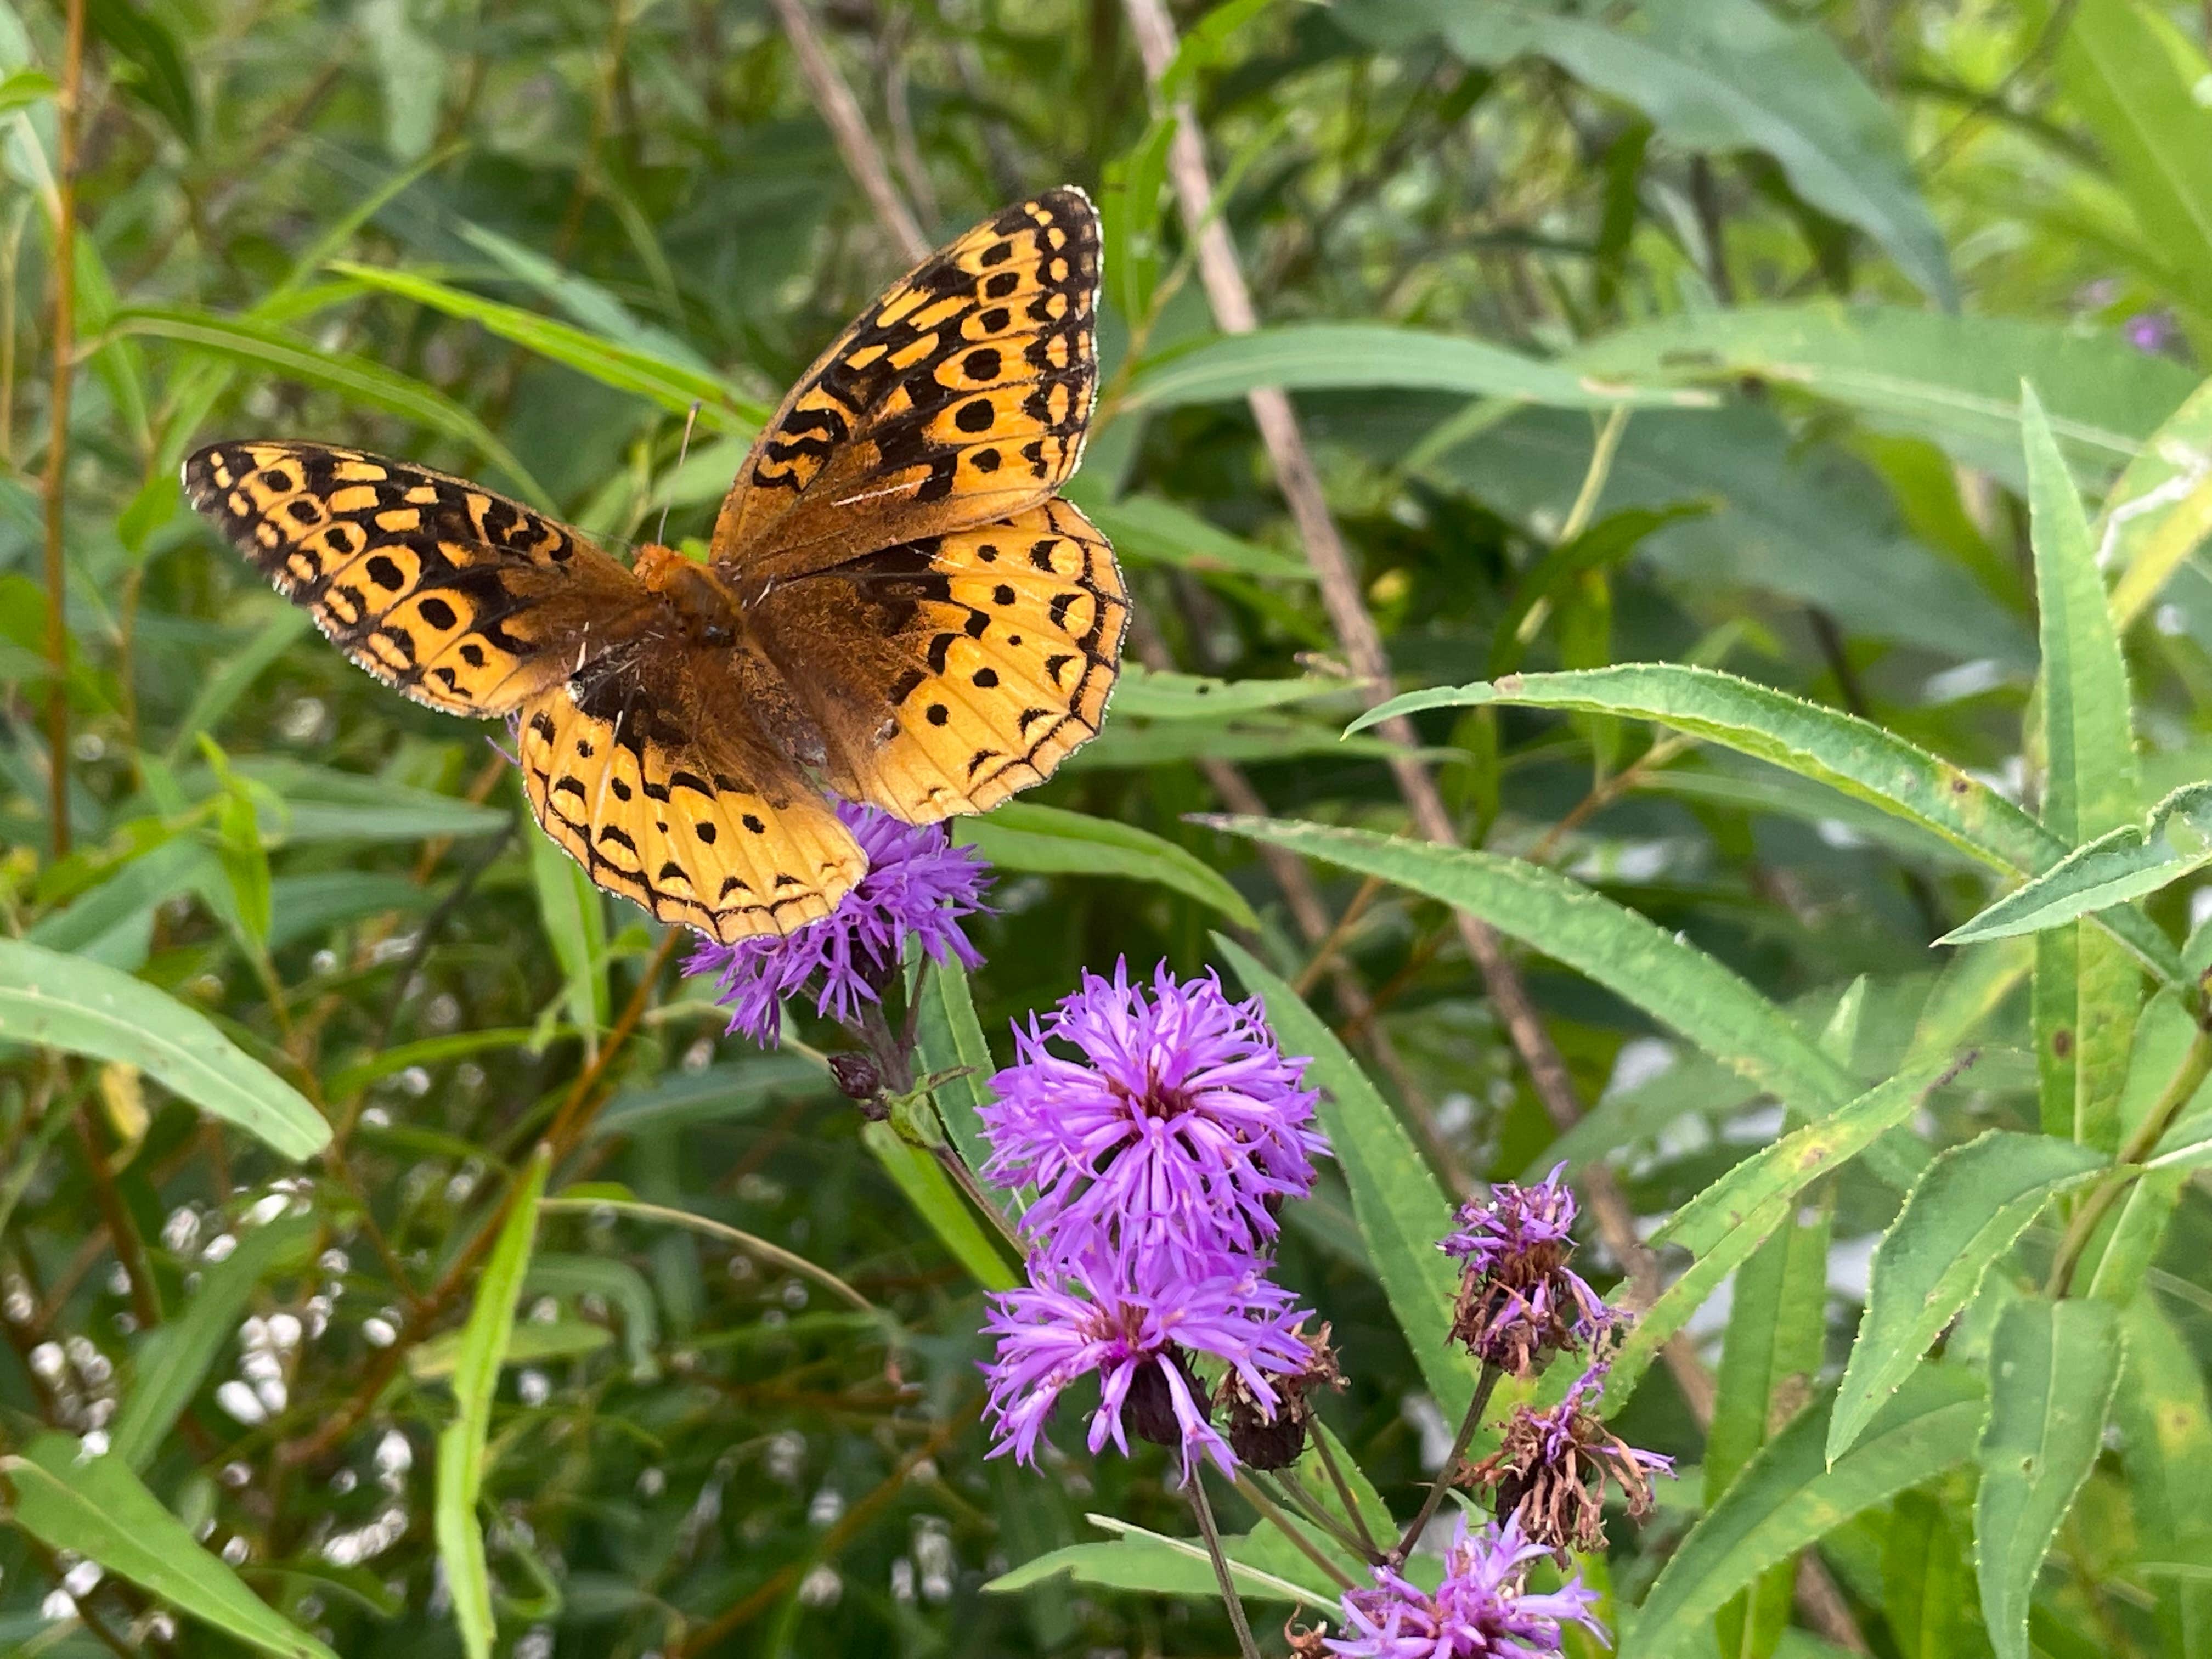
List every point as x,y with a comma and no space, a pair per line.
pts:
121,1234
1343,1493
68,112
834,102
1204,1511
1483,1388
1301,1498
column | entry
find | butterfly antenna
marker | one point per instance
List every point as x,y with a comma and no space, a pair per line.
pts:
683,449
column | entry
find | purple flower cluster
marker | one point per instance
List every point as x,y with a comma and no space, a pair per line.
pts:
1551,1467
1482,1609
1180,1122
1519,1302
1160,1149
918,887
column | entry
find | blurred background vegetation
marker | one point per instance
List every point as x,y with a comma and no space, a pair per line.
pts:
1686,329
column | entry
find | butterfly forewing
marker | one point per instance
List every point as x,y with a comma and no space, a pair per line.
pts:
947,674
459,598
961,395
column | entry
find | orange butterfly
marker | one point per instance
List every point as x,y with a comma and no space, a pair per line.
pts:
897,605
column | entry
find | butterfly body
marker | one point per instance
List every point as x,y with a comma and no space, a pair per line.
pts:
895,605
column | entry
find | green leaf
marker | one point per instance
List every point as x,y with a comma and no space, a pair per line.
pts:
1964,1212
221,689
20,88
95,1507
176,1359
939,1203
733,1090
86,1008
2122,66
1769,1359
529,1344
1823,745
952,1039
1718,75
159,79
2053,1369
483,1346
673,387
1052,840
1146,529
1327,356
1956,379
2166,1448
614,1282
1789,1497
1798,1159
1158,695
2160,510
2085,1001
2130,862
1402,1210
569,908
358,379
2088,739
1141,1560
1926,1587
312,803
1631,956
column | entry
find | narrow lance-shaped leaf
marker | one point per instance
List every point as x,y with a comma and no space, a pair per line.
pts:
1628,954
1826,745
359,378
1798,1159
674,386
1790,1497
1955,379
2160,510
95,1507
86,1008
2166,1448
2085,1000
951,1040
1052,840
1722,75
1401,1210
2053,1368
940,1204
2130,862
1315,356
484,1347
1964,1213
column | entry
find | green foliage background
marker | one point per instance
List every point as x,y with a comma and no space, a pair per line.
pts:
1838,362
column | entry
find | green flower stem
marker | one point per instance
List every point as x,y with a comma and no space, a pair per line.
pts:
1245,1645
1443,1480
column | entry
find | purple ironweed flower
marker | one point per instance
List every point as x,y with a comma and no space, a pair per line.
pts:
1551,1468
1181,1122
1127,1317
918,886
1482,1610
1519,1303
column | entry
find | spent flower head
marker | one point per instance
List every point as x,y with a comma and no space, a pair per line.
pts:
1130,1317
1519,1302
1177,1118
1482,1610
918,887
1550,1470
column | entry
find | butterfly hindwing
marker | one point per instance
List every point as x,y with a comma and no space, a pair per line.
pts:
458,597
686,810
961,395
948,673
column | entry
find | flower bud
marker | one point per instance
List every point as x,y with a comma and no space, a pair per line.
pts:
856,1075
